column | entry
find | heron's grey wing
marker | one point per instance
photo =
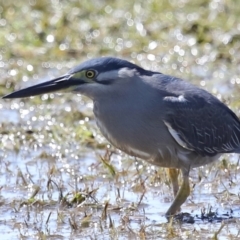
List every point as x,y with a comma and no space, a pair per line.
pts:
200,122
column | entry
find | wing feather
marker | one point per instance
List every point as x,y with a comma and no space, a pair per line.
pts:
200,122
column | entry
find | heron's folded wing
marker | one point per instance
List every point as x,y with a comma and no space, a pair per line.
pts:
205,126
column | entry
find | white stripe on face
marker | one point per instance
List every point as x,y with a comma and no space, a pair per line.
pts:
114,74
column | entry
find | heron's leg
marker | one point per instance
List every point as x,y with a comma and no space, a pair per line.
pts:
173,175
182,195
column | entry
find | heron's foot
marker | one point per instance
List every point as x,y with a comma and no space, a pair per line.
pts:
181,197
184,217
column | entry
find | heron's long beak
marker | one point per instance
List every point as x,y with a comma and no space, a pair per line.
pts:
61,83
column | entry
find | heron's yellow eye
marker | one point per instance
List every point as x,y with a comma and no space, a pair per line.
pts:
90,74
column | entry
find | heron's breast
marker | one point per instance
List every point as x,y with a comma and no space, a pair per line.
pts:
119,142
119,128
